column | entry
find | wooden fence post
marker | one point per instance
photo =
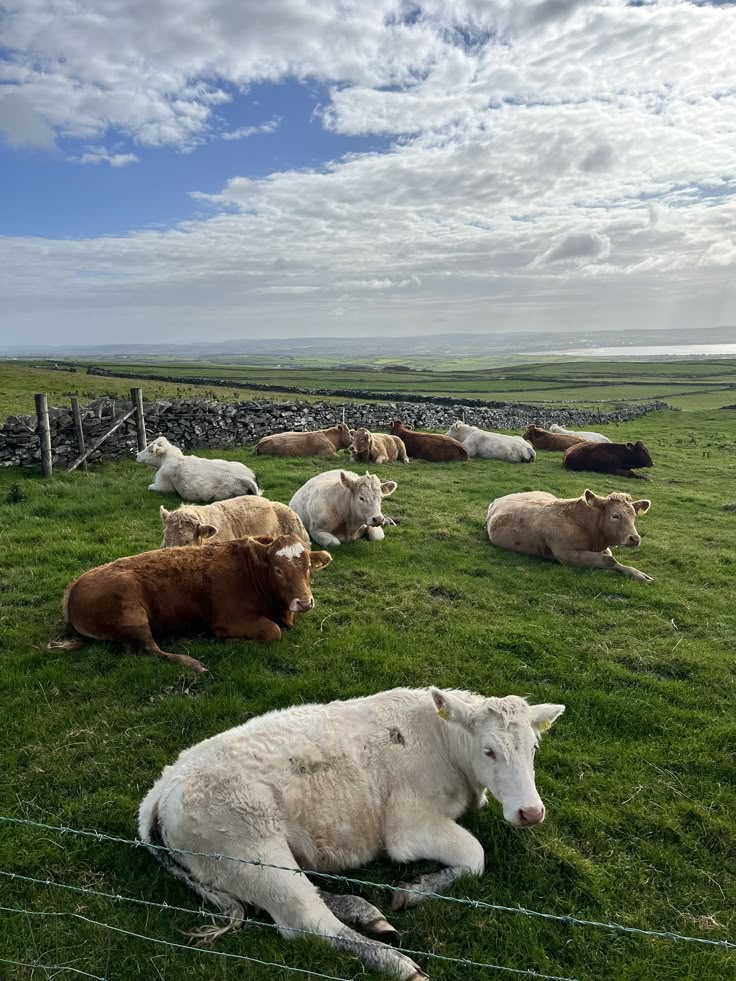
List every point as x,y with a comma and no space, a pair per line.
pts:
44,432
78,428
136,395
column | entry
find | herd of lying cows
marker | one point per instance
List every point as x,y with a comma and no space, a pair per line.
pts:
330,786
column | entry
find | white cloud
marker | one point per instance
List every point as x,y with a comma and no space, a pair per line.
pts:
98,155
244,131
21,125
553,163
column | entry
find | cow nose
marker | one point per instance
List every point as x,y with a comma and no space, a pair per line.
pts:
299,605
530,815
377,521
634,540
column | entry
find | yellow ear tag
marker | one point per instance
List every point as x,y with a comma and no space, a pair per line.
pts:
544,725
443,713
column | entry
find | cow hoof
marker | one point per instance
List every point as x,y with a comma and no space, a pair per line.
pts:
382,930
401,900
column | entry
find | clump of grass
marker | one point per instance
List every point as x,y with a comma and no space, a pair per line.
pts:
15,494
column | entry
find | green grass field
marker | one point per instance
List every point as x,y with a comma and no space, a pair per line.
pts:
638,775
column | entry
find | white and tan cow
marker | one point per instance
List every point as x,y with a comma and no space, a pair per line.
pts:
574,531
339,506
590,437
195,478
330,787
223,521
492,446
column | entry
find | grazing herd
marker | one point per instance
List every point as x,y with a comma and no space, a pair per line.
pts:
331,786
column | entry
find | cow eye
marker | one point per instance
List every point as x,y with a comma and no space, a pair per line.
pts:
615,516
490,753
279,573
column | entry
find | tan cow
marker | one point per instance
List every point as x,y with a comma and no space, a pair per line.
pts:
542,439
223,521
574,531
377,448
320,442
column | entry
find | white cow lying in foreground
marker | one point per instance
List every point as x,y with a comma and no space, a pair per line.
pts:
591,437
339,506
492,446
330,787
196,478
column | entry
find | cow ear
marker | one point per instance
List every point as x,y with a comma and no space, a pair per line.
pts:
450,707
629,446
592,499
318,560
347,480
388,487
158,450
544,715
206,531
641,507
165,515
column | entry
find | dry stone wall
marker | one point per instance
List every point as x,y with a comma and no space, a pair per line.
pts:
207,423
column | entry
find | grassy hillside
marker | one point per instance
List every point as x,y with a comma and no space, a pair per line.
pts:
638,775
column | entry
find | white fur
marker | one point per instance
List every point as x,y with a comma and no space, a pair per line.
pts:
330,787
492,446
291,551
591,437
195,478
339,506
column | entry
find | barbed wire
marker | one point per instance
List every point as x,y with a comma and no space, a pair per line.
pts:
51,967
247,921
473,903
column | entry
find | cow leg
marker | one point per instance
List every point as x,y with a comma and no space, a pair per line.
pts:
600,560
359,913
324,538
440,840
138,639
248,628
162,483
632,473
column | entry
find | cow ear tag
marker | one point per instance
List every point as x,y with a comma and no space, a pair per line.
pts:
443,713
544,725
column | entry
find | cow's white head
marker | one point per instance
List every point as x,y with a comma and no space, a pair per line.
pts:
154,453
458,430
495,739
366,496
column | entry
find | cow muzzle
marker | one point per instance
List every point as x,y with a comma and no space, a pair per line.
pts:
300,605
525,817
633,541
377,521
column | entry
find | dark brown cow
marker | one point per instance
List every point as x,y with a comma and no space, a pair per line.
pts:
429,446
615,458
243,589
542,439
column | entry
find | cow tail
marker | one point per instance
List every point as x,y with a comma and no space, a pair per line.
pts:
71,640
154,837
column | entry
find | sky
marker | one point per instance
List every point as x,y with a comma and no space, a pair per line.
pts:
178,170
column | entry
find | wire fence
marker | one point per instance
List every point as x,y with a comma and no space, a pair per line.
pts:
137,843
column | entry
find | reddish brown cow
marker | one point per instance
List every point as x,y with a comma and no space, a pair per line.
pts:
429,446
615,458
542,439
244,589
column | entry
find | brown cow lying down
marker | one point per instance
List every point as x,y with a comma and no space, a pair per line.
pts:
542,439
239,517
429,446
615,458
377,448
320,442
246,590
574,531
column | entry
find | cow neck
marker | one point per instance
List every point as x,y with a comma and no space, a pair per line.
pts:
258,575
598,541
457,747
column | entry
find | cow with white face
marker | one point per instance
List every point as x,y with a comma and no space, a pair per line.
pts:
333,786
339,506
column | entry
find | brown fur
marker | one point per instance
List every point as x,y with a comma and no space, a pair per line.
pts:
429,446
223,521
574,531
614,458
231,590
542,439
370,447
320,442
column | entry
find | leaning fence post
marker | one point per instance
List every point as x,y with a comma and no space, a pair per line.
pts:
78,428
136,395
42,414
